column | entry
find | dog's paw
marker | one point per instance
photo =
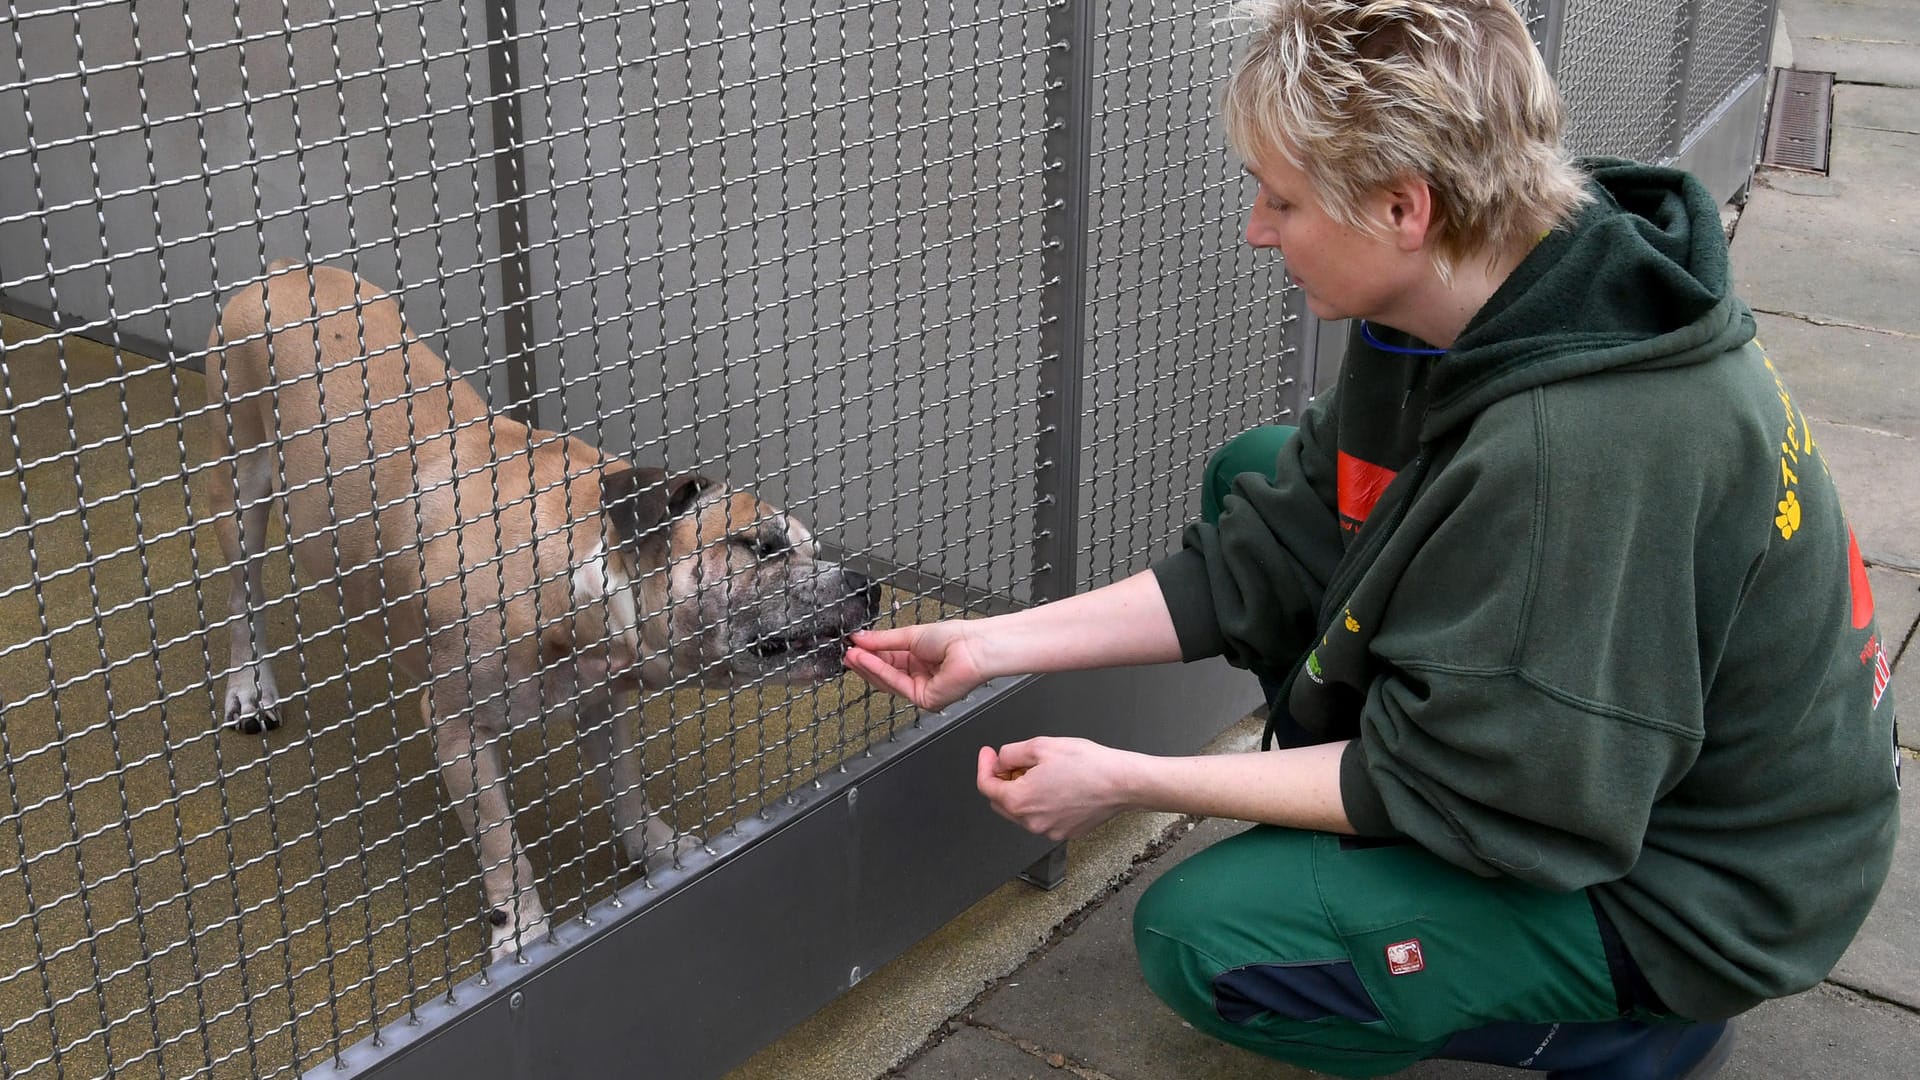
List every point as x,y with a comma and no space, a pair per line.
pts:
514,926
656,846
253,702
668,855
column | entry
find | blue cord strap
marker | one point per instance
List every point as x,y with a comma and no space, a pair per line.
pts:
1366,332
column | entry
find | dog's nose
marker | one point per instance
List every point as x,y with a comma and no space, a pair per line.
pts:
865,588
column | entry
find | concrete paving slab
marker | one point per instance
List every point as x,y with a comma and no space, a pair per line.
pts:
1845,375
1827,1033
971,1053
1880,962
1878,474
1084,997
1871,41
1827,247
1836,275
1896,609
1876,108
1906,698
1841,247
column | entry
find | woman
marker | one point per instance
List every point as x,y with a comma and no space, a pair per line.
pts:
1569,649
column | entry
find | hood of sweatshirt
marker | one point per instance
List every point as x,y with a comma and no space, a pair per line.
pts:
1638,279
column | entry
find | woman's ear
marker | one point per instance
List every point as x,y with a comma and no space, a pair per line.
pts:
1406,206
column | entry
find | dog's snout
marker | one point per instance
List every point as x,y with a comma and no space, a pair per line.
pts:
860,586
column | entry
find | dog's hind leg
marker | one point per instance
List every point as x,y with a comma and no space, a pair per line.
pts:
240,499
465,744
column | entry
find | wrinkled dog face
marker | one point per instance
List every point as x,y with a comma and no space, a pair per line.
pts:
743,595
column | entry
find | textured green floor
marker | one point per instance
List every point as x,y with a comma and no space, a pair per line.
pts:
172,894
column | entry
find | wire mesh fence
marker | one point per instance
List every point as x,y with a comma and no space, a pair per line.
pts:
807,249
1188,328
789,246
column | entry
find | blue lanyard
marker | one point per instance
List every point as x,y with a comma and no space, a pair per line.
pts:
1403,350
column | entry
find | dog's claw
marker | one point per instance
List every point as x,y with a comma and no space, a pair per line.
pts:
257,723
509,938
253,701
668,856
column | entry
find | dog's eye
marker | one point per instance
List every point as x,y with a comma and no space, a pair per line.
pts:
763,545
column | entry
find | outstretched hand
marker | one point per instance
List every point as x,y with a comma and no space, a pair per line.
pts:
932,665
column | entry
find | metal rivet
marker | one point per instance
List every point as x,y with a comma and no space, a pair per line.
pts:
516,1000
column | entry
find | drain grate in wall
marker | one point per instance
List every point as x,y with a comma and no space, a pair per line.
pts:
1802,115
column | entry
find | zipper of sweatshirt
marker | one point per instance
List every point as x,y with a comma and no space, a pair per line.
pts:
1365,552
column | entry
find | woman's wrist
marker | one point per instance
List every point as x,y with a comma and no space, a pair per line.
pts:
1129,780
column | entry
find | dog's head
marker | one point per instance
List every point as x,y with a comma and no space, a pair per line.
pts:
729,588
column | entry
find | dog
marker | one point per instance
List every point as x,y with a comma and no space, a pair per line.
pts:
518,574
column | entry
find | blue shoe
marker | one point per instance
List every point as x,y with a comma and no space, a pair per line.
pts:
1609,1050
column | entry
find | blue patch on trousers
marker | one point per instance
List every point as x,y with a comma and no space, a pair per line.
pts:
1296,991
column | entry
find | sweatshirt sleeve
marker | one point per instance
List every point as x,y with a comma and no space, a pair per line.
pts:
1539,683
1250,587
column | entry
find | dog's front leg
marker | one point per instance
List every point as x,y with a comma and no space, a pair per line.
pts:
645,836
646,840
595,720
469,761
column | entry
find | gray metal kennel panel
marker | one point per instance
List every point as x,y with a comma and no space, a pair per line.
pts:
1192,337
1672,81
153,153
800,243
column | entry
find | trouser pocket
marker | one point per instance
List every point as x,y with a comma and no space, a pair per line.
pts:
1440,950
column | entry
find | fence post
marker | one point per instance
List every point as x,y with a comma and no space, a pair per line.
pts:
1063,297
1688,27
510,191
1553,30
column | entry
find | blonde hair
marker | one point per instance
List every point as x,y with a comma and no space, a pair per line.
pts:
1359,93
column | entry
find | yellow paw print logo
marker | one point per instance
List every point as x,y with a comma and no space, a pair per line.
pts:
1788,520
1353,626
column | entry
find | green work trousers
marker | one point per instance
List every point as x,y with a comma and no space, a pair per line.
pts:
1359,957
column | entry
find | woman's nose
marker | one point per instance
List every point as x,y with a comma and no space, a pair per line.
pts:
1259,233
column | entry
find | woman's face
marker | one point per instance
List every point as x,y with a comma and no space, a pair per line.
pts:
1344,272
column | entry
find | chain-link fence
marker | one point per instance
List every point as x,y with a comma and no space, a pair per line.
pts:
957,295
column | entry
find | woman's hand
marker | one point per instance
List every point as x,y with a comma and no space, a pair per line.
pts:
932,665
1060,788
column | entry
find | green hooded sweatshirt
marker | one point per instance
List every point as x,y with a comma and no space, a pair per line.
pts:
1581,593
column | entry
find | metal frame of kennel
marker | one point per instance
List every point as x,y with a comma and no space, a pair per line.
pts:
1124,210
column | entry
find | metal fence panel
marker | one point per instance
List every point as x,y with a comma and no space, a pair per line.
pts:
1188,328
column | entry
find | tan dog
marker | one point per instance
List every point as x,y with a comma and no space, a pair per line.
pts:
519,574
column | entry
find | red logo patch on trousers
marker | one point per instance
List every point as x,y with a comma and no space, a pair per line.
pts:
1403,957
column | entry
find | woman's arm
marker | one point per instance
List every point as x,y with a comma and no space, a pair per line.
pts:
1113,626
1065,787
935,664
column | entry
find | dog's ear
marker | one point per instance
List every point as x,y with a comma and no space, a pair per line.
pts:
639,501
684,490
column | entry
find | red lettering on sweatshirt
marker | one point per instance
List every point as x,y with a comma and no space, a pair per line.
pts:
1361,484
